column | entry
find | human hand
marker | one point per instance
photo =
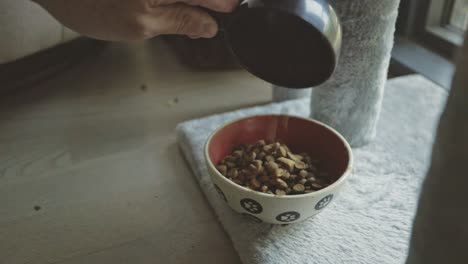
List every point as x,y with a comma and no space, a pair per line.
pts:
129,20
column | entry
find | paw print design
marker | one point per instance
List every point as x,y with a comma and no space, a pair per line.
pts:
220,192
251,206
252,218
288,217
324,202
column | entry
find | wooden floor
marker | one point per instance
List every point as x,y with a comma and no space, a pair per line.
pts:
89,167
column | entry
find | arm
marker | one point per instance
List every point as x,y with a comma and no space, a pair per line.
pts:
128,20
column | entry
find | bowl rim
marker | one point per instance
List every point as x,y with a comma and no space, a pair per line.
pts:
335,184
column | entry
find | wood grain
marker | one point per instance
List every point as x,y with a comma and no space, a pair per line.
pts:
89,167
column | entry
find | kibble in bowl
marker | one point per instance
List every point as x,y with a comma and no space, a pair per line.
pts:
277,172
271,167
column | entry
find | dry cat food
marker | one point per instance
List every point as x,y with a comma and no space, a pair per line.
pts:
272,168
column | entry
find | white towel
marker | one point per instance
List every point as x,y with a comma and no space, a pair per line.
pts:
371,220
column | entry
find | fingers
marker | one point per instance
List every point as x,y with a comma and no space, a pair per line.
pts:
219,5
216,5
182,19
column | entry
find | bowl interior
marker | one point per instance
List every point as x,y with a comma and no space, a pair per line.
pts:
301,135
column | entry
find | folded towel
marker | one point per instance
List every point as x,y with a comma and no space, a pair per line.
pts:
370,222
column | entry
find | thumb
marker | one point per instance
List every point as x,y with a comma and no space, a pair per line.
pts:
187,20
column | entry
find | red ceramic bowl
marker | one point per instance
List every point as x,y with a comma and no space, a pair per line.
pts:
301,135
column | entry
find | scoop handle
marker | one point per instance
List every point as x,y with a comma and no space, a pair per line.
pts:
224,19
